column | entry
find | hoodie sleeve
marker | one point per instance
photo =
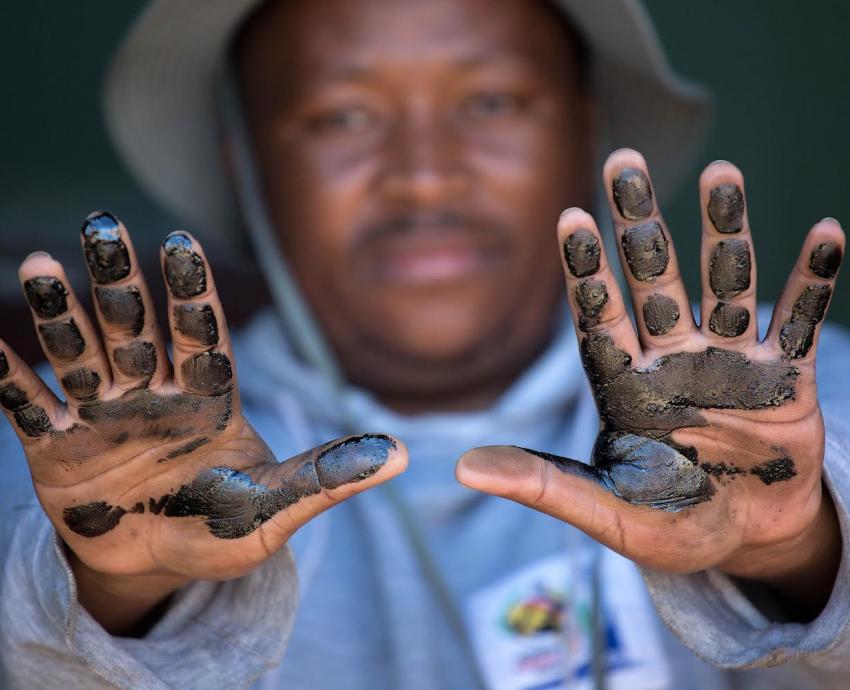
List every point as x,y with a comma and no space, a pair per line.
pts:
214,634
712,616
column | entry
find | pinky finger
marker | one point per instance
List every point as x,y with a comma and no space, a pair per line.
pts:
30,406
796,321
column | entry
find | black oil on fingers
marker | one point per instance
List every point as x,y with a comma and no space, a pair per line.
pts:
825,260
122,307
184,268
12,397
729,320
646,250
198,322
208,373
4,366
62,339
591,297
136,360
660,314
353,460
31,419
106,253
47,296
632,194
581,251
726,208
729,268
798,332
81,384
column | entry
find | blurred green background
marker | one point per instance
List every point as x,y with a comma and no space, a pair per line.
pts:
779,72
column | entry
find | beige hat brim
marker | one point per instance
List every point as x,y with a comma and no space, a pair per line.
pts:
161,111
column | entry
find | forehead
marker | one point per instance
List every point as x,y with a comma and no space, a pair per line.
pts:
310,39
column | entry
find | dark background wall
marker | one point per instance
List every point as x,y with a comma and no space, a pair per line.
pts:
779,72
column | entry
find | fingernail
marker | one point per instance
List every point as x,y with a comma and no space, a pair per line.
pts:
632,194
106,253
726,208
353,460
184,268
34,254
825,260
47,296
581,251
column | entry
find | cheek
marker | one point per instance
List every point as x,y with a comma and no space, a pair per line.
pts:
318,197
533,174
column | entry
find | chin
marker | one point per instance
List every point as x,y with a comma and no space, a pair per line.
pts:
444,329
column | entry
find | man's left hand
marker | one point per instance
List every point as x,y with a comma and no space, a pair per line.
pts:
711,442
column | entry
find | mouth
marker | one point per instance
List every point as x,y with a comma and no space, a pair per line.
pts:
429,257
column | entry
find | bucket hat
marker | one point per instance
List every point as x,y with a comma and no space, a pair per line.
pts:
160,99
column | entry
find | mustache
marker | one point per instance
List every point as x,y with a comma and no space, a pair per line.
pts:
443,221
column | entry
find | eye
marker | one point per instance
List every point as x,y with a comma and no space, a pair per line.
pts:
493,104
346,119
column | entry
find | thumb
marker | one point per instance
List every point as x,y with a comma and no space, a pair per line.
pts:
560,487
280,498
604,503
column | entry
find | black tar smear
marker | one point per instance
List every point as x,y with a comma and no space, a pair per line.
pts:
122,307
591,297
825,260
632,194
31,419
640,408
47,296
138,359
646,250
726,208
641,471
184,268
208,373
779,470
660,314
729,268
729,320
62,339
81,383
106,253
198,322
798,332
233,504
581,251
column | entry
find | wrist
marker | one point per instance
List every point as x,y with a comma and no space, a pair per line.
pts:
124,605
801,570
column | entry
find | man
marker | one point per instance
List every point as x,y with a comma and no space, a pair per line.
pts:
410,162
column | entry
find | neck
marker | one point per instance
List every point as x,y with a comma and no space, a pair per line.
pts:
473,382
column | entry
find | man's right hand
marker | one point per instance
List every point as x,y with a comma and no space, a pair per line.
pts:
149,472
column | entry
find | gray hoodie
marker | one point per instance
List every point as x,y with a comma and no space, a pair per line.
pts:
422,584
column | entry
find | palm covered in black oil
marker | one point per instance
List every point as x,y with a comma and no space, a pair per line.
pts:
711,441
150,468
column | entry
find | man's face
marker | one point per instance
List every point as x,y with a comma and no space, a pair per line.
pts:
415,157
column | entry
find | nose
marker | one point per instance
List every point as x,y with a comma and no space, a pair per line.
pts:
423,162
